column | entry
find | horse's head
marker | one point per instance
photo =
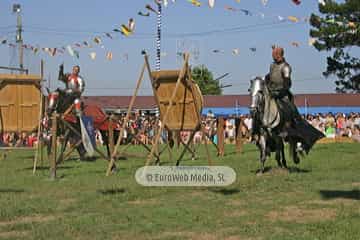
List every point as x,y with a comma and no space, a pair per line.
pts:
53,98
257,86
59,101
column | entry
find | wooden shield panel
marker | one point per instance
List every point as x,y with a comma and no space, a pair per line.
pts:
185,112
19,102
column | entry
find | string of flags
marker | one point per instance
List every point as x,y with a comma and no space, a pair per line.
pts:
128,30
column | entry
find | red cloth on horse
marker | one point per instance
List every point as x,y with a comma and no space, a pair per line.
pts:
99,117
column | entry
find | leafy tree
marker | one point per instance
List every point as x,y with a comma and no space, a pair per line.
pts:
205,79
338,30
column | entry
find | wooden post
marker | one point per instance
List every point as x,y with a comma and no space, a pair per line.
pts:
220,136
111,134
239,140
39,141
132,101
54,119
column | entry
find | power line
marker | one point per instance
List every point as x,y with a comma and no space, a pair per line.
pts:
231,30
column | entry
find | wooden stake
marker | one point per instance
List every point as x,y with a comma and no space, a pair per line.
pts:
39,141
111,134
113,154
220,136
54,119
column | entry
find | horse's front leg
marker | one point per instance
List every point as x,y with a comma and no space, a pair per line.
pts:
278,156
262,147
282,149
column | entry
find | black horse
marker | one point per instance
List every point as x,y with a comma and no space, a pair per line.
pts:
60,102
269,124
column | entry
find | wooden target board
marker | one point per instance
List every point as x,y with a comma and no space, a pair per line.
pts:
187,104
19,102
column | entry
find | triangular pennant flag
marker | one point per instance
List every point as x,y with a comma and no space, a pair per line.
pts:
52,52
211,3
93,55
70,50
97,40
144,14
295,44
125,30
236,51
109,56
131,24
108,35
76,54
293,19
246,12
195,3
230,8
148,7
311,41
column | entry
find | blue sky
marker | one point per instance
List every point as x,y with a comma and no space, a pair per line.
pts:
60,23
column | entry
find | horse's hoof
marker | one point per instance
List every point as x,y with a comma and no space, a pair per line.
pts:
114,169
259,173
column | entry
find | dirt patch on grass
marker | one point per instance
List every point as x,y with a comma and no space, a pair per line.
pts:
337,201
241,238
201,236
236,213
188,235
355,184
28,219
295,214
279,171
236,202
144,202
14,234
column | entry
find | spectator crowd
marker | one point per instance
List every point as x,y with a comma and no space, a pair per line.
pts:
144,127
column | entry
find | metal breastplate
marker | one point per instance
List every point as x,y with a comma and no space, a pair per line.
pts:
276,78
72,83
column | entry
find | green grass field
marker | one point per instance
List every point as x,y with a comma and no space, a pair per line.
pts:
318,199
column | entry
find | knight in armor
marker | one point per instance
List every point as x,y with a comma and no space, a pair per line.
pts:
75,86
278,82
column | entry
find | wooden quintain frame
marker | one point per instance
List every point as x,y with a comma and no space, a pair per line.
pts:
180,103
54,158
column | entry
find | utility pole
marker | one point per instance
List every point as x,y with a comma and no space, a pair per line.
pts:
19,39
